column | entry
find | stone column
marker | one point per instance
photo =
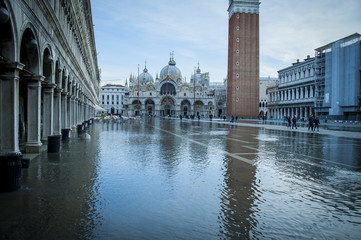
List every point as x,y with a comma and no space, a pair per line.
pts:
47,117
57,112
73,112
33,143
9,105
64,111
69,112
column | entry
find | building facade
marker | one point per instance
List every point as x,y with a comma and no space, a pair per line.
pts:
169,94
49,78
264,84
112,98
295,92
338,79
243,58
327,85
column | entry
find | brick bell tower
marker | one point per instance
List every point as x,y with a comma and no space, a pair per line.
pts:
243,58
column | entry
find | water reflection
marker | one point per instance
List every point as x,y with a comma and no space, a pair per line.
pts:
166,179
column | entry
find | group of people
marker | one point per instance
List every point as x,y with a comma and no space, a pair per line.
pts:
293,121
313,122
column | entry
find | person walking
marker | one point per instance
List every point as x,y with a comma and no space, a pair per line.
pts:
317,122
294,121
310,123
289,122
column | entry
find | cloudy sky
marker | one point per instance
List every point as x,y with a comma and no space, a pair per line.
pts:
132,32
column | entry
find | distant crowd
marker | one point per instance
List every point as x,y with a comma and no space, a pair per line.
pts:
313,122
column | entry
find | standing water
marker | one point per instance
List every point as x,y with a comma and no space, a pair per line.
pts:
166,179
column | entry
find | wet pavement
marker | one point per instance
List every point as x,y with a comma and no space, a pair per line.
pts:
167,179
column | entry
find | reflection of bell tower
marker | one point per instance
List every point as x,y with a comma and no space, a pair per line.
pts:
243,58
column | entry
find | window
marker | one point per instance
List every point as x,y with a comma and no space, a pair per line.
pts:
237,16
237,76
237,63
237,99
150,94
237,51
237,39
185,94
237,88
237,28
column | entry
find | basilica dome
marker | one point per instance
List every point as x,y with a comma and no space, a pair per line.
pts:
145,77
172,71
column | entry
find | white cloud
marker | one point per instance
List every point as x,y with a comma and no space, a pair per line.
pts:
130,31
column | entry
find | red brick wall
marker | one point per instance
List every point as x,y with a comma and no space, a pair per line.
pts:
248,68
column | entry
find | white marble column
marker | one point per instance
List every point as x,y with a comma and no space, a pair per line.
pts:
33,143
57,112
69,113
64,111
47,117
73,116
9,105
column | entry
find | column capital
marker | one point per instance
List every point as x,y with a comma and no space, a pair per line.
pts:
58,90
10,70
47,84
32,77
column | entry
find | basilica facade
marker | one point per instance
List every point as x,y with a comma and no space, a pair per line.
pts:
169,94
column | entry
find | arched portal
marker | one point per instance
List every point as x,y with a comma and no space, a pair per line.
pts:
30,90
198,108
149,106
168,89
137,107
185,108
167,107
9,83
47,96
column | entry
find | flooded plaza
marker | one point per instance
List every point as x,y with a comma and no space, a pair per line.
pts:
172,179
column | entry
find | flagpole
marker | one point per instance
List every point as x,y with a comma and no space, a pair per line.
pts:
194,91
166,86
138,83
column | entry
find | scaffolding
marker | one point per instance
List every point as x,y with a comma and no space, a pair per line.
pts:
319,81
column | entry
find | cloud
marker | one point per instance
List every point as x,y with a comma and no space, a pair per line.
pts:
128,32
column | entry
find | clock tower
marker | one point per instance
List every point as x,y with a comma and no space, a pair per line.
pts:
243,58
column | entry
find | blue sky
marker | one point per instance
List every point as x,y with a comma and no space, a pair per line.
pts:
132,32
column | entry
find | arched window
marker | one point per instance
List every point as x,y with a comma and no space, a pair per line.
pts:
170,88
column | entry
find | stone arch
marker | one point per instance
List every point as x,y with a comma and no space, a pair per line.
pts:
185,107
47,65
137,107
64,79
167,106
29,50
198,107
149,107
58,70
8,39
168,89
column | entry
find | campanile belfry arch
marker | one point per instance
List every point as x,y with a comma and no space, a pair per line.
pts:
243,58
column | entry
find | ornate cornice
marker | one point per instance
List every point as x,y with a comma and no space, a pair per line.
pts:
245,6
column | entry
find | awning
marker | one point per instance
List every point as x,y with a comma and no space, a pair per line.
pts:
99,108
